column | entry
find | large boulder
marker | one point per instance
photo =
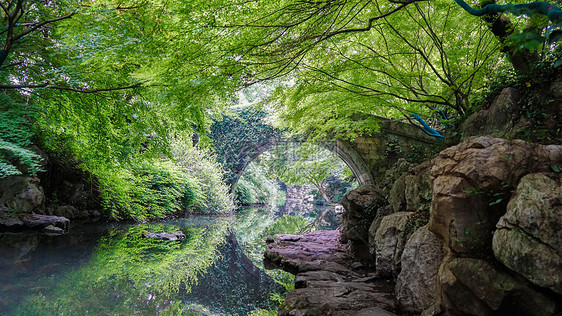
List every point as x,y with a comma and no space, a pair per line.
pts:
412,190
416,285
22,222
494,120
389,241
21,194
397,194
471,186
361,206
39,221
476,287
529,236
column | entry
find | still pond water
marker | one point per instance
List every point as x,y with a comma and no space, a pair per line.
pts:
110,269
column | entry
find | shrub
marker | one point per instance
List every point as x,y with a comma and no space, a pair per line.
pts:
16,122
148,189
207,172
254,187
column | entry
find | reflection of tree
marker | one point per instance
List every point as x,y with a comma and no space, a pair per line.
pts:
252,226
235,282
129,274
309,164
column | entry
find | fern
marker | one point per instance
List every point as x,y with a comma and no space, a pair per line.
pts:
15,133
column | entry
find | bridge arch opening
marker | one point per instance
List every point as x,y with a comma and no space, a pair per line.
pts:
342,149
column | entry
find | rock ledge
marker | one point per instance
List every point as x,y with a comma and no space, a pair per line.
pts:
327,280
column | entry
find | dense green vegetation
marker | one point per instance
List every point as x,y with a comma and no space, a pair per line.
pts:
114,83
256,187
150,97
15,124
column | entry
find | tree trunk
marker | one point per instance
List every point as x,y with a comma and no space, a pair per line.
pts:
522,59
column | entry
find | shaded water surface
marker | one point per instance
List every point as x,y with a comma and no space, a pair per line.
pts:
110,269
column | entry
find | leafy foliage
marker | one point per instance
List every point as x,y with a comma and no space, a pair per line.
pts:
305,163
242,132
200,164
146,189
256,187
286,224
345,58
116,79
15,135
111,93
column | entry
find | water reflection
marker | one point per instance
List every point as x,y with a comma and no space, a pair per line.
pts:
235,285
128,274
110,269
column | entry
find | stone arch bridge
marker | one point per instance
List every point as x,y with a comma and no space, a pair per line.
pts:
239,141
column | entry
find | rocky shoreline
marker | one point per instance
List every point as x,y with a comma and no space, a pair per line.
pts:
475,231
328,281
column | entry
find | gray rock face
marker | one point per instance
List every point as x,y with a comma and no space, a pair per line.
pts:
21,194
412,190
472,184
389,242
487,290
469,176
416,285
361,206
495,120
536,207
397,195
418,188
529,236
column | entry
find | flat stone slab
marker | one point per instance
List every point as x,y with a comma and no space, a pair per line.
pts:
177,235
21,222
327,280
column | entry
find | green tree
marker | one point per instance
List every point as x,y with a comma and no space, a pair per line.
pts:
308,163
391,55
16,120
522,42
112,85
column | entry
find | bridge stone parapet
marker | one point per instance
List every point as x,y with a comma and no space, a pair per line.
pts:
373,148
366,156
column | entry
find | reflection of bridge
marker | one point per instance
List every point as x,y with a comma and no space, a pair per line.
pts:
365,156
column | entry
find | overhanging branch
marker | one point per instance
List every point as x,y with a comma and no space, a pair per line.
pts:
55,87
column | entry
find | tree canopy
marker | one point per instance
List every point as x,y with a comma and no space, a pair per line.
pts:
115,80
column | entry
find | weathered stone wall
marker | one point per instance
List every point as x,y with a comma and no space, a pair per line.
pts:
299,198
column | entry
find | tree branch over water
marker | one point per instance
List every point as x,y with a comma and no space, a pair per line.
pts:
55,87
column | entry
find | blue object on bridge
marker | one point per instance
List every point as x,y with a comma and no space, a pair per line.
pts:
444,116
428,129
